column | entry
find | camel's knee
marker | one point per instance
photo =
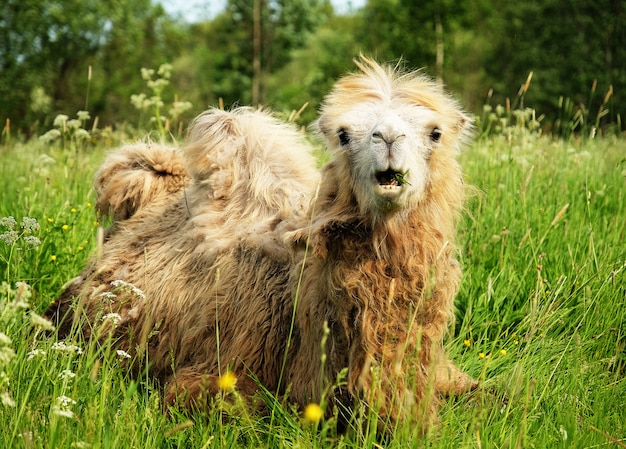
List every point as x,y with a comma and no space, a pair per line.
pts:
191,390
450,380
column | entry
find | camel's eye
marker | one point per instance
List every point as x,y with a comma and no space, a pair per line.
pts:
435,135
344,137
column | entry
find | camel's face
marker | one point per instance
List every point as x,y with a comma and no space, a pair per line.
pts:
389,149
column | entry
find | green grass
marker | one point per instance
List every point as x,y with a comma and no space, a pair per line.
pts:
541,312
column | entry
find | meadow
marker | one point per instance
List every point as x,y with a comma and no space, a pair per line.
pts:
541,315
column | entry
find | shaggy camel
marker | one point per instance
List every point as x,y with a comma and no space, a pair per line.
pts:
237,254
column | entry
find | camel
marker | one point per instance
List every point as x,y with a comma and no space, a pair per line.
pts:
235,253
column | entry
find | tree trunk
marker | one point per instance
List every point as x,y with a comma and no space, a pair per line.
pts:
439,47
256,57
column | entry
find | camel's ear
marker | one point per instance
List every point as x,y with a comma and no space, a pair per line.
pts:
464,123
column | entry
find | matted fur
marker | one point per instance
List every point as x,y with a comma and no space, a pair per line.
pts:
247,259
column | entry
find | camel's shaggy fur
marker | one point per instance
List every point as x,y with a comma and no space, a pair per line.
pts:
237,254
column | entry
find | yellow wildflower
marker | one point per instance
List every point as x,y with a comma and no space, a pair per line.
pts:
65,227
313,413
53,258
227,381
502,351
467,343
73,210
481,355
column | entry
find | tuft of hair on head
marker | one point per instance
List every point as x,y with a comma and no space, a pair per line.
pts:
392,82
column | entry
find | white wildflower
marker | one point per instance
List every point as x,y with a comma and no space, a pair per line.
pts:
35,353
8,222
83,115
50,136
60,121
123,285
6,355
118,283
123,354
9,237
108,297
63,347
65,401
165,70
39,321
139,101
21,304
180,107
115,317
32,241
81,134
146,74
74,123
67,374
62,407
7,400
156,101
30,224
45,159
4,339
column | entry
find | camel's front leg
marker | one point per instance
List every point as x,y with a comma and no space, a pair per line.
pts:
191,389
450,380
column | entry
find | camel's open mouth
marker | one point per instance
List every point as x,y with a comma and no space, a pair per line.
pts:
391,178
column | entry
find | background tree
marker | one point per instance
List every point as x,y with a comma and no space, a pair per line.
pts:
482,50
568,44
47,47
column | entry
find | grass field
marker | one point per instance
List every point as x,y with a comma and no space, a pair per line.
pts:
541,312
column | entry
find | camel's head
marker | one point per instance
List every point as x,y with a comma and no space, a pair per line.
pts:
396,133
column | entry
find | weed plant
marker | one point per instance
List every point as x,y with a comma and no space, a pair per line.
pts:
541,316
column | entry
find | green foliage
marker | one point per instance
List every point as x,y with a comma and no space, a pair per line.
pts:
570,46
70,56
311,73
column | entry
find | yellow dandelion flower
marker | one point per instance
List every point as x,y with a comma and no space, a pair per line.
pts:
80,248
467,343
53,258
313,413
481,355
96,223
502,351
73,210
50,220
227,381
65,227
